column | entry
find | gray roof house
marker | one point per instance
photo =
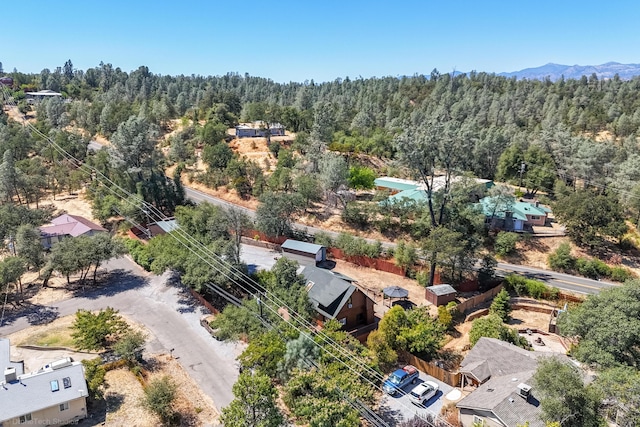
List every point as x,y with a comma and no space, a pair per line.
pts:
334,296
504,396
54,394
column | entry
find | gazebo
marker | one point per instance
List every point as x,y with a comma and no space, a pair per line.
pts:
394,292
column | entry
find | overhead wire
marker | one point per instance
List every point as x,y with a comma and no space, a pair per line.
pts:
124,195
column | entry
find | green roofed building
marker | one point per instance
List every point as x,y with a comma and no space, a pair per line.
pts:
512,215
395,185
406,190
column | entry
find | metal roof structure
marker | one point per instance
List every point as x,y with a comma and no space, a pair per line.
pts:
417,191
45,92
69,225
441,289
296,245
396,183
493,207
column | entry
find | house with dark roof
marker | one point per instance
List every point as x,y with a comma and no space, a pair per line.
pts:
53,395
68,226
502,374
259,129
335,296
440,294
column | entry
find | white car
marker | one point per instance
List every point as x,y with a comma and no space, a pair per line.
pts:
423,392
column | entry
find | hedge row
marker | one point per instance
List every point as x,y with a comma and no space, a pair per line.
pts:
562,260
529,287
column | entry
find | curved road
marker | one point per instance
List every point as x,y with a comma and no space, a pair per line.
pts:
565,282
170,314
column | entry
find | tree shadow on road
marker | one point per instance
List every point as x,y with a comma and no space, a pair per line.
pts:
40,315
111,284
36,314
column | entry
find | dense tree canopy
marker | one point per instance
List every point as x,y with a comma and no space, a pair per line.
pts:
607,326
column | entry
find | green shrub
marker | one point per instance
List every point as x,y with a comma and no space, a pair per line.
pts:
515,283
354,246
592,268
505,243
526,287
139,253
444,317
561,259
627,244
422,277
323,239
553,293
621,274
501,306
536,289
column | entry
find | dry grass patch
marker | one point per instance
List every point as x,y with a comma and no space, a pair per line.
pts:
56,333
125,393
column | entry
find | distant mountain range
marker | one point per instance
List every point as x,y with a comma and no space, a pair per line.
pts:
555,71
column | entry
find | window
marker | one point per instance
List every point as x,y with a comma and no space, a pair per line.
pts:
54,385
64,406
66,381
478,421
25,418
534,217
360,318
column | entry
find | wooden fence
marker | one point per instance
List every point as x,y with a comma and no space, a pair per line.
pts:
258,235
451,378
365,261
204,302
478,299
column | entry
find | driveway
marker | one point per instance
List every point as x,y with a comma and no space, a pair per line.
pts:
171,316
399,408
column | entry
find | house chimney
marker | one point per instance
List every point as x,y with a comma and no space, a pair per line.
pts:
10,375
537,203
524,391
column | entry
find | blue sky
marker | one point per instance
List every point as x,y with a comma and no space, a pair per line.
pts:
323,40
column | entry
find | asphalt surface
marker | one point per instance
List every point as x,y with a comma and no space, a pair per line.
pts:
565,282
399,407
171,316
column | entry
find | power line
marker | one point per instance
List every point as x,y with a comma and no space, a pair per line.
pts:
96,175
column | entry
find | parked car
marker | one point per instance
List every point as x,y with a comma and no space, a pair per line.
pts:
400,378
423,392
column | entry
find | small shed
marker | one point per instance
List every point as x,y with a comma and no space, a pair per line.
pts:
440,294
308,250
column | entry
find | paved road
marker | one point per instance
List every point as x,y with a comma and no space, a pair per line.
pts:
562,281
575,284
171,316
566,282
